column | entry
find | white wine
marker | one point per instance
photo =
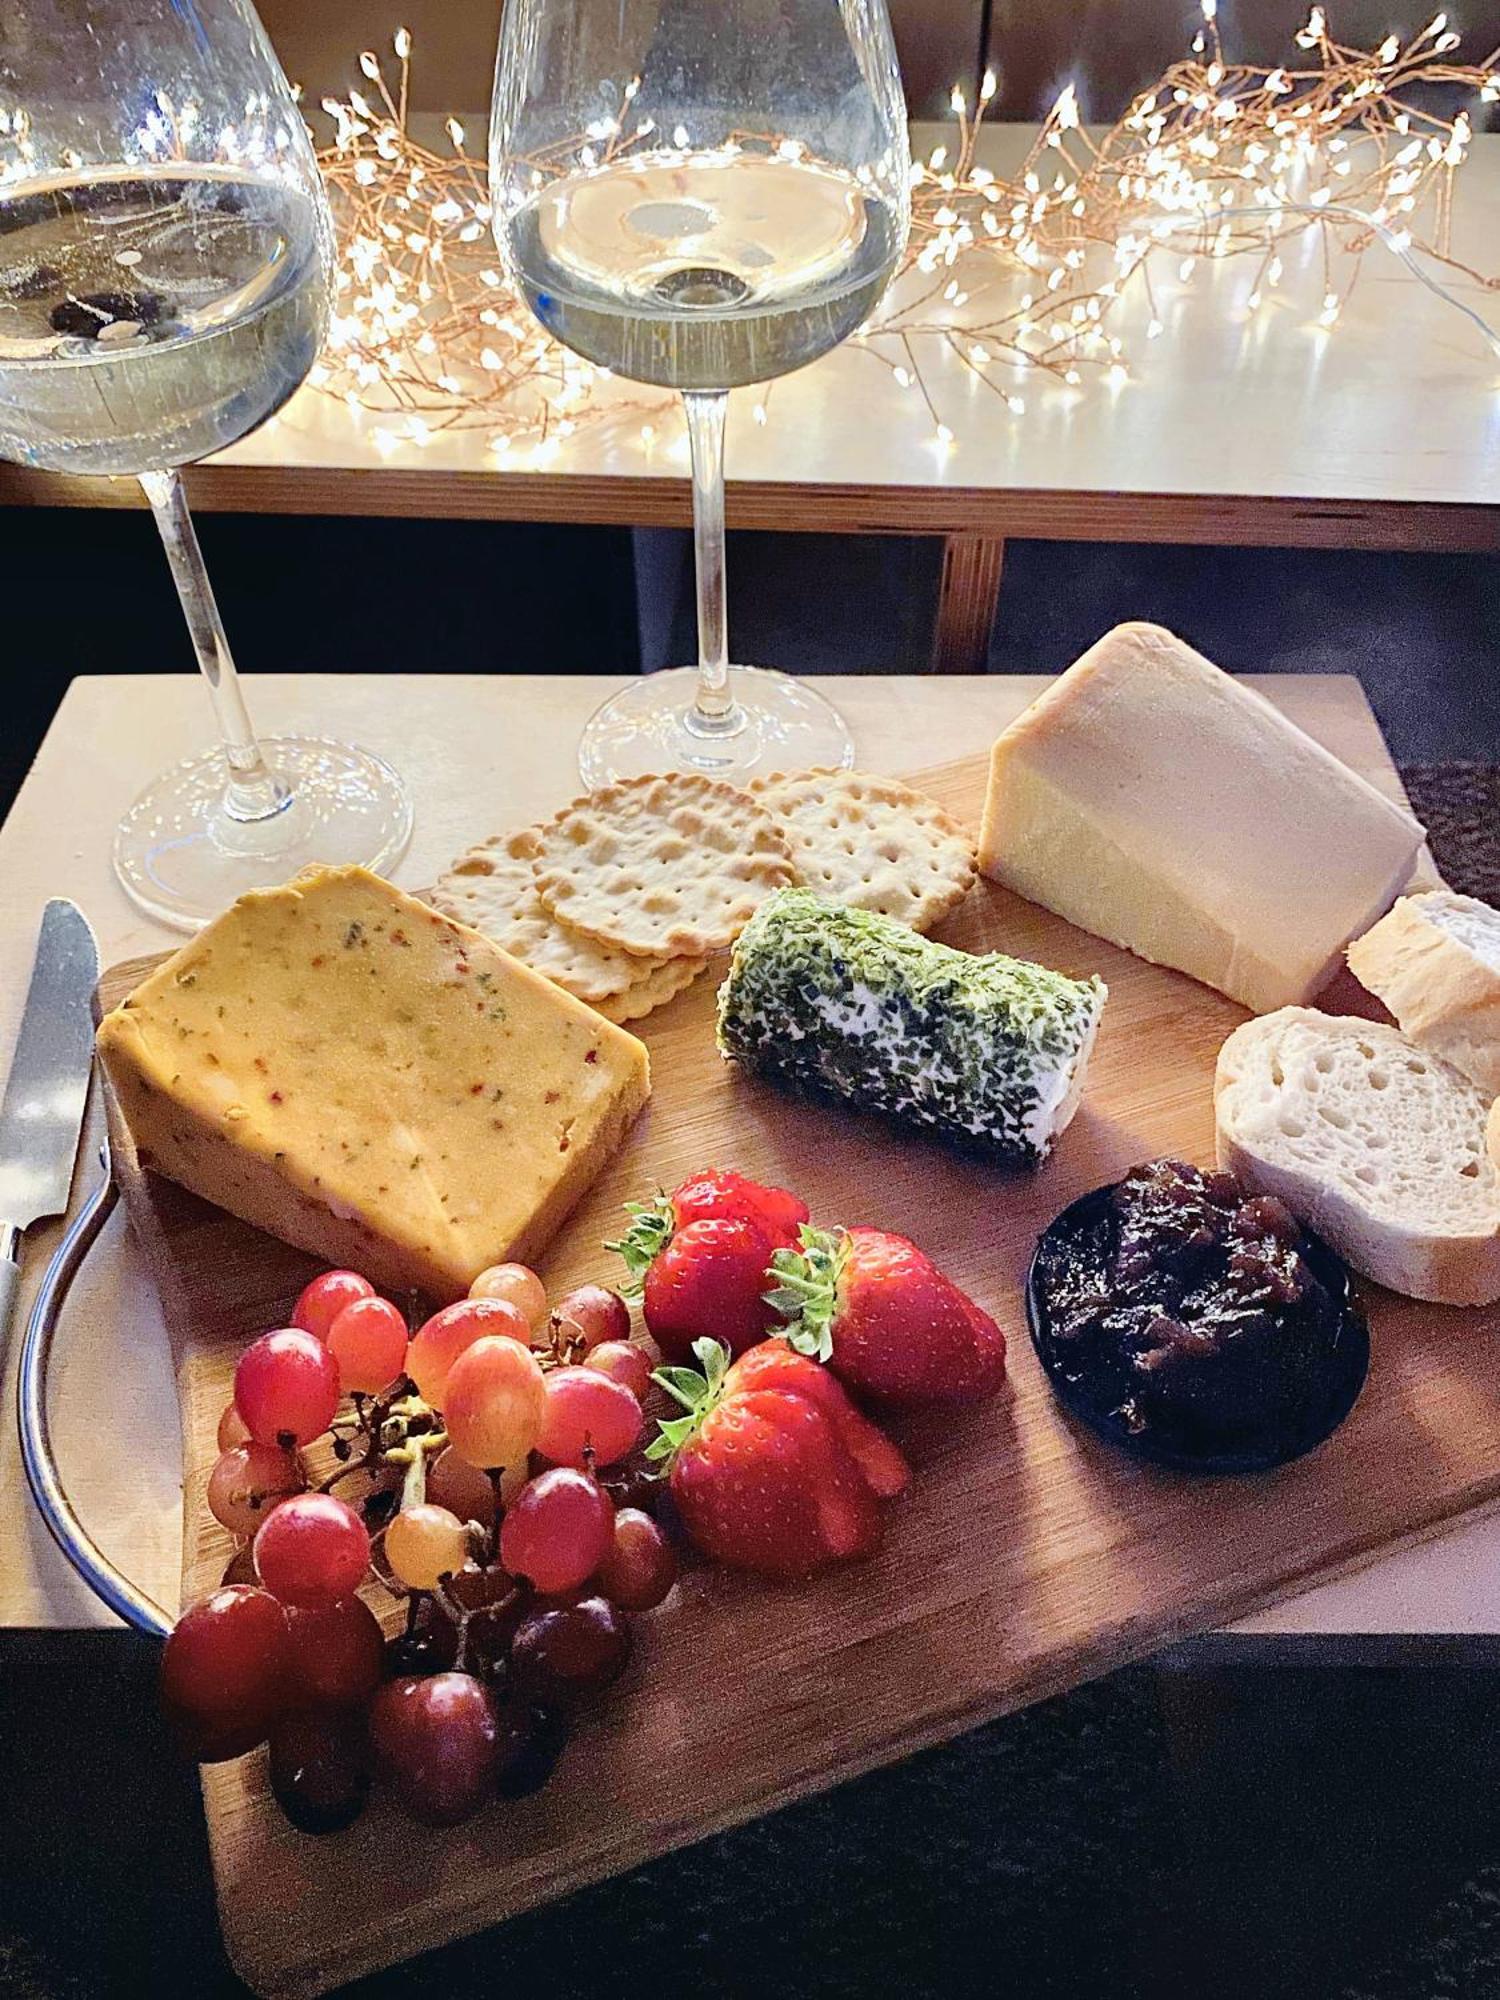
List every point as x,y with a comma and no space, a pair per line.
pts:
150,316
703,273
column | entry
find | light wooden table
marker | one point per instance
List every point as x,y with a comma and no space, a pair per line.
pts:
479,753
1235,428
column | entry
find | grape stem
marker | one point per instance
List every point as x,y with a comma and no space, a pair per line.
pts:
413,1455
496,1477
461,1617
370,1416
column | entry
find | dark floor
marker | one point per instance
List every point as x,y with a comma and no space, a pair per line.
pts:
1287,1832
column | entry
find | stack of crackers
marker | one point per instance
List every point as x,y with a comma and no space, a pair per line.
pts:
624,896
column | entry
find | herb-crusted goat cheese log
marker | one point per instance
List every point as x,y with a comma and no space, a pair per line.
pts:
983,1051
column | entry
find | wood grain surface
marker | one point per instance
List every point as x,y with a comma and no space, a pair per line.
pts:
1028,1556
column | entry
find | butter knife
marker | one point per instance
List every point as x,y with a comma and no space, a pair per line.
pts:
41,1115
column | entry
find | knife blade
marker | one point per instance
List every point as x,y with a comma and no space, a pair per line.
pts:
41,1114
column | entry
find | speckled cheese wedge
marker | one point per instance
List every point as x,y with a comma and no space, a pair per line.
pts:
338,1064
987,1052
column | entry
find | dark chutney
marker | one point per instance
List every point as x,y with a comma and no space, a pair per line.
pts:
1195,1323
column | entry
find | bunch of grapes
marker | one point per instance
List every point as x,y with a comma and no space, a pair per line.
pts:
501,1494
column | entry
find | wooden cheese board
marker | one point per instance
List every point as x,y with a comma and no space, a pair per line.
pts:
1029,1556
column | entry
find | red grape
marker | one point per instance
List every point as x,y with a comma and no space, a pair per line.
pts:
531,1741
639,1568
436,1740
562,1651
622,1361
368,1341
589,1418
313,1549
247,1482
518,1286
233,1429
439,1341
225,1671
558,1532
324,1299
240,1567
428,1648
466,1490
424,1544
320,1769
494,1401
337,1653
286,1387
589,1315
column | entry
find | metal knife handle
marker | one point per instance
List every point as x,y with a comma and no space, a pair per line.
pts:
56,1510
10,1283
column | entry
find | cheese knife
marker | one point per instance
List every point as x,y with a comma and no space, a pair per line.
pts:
41,1114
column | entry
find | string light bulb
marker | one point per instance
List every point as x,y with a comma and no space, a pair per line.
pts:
429,336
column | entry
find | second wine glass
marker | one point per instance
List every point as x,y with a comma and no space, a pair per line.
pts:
702,194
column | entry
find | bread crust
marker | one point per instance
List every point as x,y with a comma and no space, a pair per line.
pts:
1444,996
1459,1268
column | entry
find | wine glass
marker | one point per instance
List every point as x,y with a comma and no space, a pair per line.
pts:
165,252
700,194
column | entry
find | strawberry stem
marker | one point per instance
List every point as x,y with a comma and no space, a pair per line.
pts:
806,1289
650,1231
697,1392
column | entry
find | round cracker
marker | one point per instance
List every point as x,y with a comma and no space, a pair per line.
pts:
493,889
663,983
873,843
659,866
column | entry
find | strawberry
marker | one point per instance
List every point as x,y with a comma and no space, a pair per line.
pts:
700,1258
775,1365
710,1279
720,1191
885,1318
762,1476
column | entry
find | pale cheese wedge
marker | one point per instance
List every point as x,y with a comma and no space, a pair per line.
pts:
1158,802
338,1064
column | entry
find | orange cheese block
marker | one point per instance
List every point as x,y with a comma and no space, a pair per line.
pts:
338,1064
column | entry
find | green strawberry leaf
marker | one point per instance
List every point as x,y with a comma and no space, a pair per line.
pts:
683,1385
674,1431
714,1356
649,1233
806,1290
697,1393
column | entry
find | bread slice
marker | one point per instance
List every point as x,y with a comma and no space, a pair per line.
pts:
1374,1143
1434,960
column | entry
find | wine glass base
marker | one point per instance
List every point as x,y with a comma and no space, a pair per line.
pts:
181,858
776,724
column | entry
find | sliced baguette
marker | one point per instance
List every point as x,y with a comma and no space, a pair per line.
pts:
1434,960
1374,1143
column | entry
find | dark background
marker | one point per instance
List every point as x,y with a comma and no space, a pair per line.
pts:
88,592
1108,49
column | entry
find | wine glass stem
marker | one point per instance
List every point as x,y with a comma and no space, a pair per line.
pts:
252,791
713,713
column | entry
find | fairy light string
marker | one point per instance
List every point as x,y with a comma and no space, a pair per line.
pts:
1017,275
